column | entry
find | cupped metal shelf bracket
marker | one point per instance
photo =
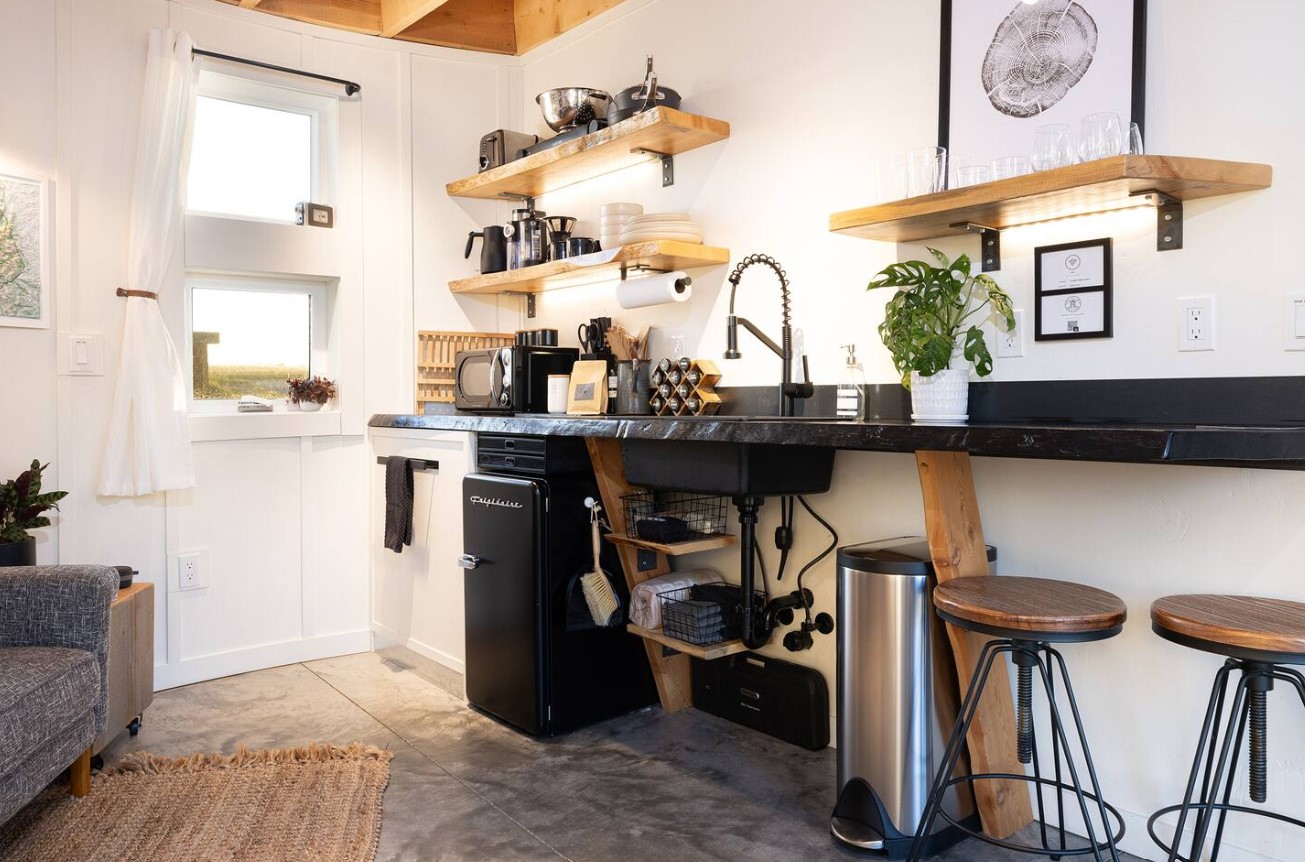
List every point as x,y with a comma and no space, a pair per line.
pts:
989,244
1168,219
668,164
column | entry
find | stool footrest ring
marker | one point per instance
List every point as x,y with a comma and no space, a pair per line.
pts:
1218,806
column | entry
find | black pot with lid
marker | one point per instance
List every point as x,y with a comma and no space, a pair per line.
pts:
642,97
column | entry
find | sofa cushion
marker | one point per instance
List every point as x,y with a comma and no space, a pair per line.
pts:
41,689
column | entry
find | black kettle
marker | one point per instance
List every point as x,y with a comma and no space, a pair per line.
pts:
493,248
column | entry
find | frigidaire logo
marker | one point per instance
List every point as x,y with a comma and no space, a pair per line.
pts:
495,501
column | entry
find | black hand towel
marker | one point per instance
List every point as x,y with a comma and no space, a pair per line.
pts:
398,503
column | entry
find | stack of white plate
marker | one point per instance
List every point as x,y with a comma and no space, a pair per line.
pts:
676,227
613,219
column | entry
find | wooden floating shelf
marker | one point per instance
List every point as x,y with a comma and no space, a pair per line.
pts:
599,266
662,131
1098,186
675,548
707,653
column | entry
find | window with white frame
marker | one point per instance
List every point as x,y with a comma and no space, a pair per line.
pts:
259,149
249,335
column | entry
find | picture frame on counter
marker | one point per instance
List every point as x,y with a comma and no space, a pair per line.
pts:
1073,291
997,85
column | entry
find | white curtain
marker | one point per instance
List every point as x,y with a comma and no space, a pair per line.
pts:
148,448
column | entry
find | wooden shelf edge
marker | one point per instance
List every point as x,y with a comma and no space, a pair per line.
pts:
663,130
707,653
676,548
574,272
1181,177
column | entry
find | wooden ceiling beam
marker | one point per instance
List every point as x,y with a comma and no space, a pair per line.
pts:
479,25
399,15
249,4
538,21
357,16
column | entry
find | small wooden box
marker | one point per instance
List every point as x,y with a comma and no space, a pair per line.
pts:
131,660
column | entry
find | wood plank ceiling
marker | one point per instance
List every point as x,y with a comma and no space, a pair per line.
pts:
497,26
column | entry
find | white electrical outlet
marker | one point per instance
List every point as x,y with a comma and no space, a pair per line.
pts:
1011,344
1293,332
1196,323
190,571
677,345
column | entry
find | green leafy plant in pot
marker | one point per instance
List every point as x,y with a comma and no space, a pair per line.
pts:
23,508
932,329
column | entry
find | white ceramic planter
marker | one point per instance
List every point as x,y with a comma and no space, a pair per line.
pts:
310,406
941,397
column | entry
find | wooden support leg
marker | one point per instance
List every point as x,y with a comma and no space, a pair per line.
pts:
80,774
951,518
673,673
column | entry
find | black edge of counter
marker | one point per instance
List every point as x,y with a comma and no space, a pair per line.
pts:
1282,448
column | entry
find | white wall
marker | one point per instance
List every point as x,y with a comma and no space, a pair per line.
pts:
814,93
284,520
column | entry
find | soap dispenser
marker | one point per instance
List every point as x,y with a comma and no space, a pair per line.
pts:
851,388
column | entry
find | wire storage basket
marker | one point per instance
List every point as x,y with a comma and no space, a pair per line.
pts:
673,516
706,614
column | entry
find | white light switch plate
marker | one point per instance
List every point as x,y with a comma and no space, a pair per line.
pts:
82,354
1293,322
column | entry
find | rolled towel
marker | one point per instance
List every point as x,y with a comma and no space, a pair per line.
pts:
646,608
398,503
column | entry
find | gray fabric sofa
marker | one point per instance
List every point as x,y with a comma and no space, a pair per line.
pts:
54,655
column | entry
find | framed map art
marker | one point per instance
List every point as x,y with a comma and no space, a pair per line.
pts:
25,250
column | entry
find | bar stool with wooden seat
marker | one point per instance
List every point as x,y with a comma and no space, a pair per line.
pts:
1260,637
1025,616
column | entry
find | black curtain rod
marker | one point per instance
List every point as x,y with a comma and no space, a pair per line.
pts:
350,88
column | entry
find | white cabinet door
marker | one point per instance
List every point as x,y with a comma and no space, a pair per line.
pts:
417,594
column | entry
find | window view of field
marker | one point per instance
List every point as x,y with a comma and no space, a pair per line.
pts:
247,342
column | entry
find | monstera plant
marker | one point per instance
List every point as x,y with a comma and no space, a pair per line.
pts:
932,322
23,508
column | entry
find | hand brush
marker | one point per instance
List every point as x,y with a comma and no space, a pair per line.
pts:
599,595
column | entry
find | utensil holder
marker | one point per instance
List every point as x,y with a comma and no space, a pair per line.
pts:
633,388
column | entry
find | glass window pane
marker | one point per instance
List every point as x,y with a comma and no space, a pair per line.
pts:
247,160
247,342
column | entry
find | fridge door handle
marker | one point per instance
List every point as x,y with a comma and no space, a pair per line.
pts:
468,561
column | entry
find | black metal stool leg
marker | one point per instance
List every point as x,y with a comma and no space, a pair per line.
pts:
1058,727
1055,753
1216,698
1231,664
969,707
1087,751
1232,778
1203,824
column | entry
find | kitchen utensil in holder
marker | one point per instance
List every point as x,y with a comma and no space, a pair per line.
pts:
674,516
684,387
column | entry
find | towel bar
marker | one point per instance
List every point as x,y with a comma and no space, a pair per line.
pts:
417,463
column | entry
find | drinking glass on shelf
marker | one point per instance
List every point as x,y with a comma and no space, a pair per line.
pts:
1100,136
928,172
894,178
1134,145
957,162
1052,147
970,175
1010,166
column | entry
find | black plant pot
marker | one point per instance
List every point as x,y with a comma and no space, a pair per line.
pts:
18,553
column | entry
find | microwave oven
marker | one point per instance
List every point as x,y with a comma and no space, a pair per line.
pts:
508,379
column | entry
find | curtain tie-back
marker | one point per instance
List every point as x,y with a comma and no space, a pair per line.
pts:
143,294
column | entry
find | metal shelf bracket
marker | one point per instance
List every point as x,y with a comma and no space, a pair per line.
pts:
668,164
989,245
1168,219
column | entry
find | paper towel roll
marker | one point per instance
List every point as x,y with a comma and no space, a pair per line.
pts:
654,290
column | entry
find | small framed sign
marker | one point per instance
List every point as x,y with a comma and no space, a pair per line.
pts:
1072,287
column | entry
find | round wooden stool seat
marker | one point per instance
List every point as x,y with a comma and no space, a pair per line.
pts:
1270,630
1030,608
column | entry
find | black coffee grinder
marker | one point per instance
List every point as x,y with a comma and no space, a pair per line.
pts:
593,343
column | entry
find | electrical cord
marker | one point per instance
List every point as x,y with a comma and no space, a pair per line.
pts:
829,550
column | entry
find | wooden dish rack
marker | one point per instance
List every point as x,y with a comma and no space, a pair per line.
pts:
677,377
436,354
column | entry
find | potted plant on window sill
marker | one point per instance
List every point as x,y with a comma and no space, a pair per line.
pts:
312,394
23,508
931,328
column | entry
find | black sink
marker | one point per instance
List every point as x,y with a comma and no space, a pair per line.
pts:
730,469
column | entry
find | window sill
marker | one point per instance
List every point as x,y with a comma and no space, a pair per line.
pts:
207,427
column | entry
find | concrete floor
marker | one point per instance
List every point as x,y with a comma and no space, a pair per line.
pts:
650,786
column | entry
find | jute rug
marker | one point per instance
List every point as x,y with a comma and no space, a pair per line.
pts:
320,803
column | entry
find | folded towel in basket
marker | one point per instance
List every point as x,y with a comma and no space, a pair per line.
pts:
646,609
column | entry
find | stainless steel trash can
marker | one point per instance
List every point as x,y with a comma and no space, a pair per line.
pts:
897,699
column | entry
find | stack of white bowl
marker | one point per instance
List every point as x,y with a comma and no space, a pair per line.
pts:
612,222
676,227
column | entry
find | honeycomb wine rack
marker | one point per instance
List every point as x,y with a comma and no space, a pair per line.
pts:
685,387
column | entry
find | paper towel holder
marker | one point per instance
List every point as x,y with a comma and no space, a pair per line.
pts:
643,268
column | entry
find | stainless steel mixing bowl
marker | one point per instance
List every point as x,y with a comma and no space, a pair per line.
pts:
567,107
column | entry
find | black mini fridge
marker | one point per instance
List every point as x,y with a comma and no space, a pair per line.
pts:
532,660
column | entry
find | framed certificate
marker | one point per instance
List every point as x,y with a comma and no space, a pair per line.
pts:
1072,291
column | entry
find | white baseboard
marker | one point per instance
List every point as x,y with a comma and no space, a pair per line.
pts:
218,665
388,636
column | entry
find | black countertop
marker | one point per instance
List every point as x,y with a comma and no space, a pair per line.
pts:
1222,445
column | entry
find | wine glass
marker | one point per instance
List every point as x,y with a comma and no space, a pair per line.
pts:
1052,147
1100,136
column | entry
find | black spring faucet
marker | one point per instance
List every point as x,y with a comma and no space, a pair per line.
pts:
789,391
